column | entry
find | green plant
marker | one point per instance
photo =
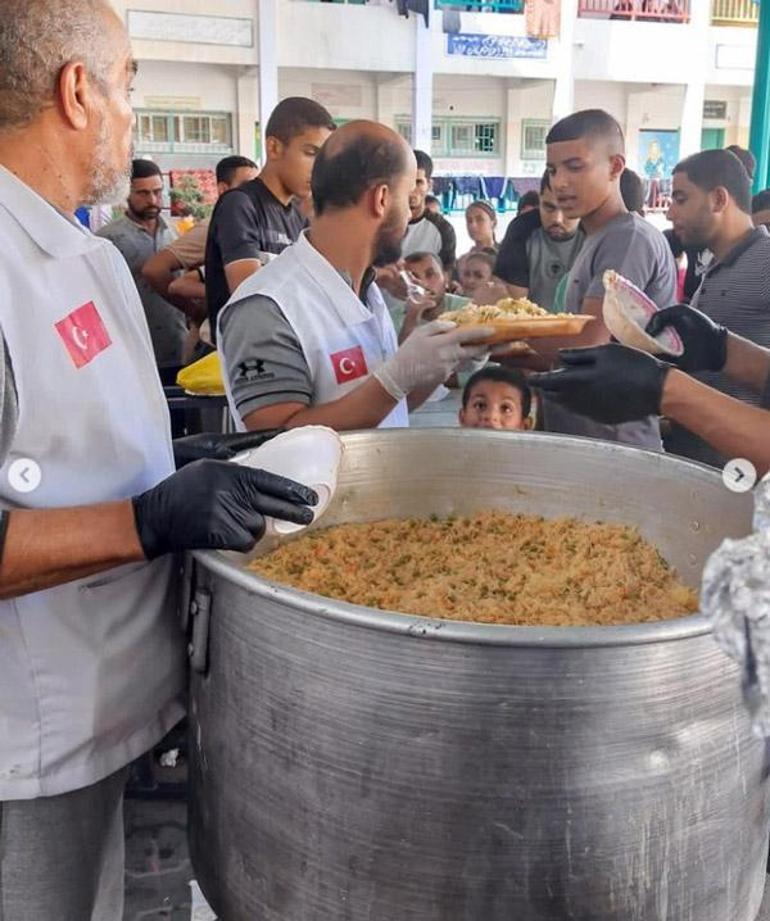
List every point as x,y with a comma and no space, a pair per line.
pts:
187,199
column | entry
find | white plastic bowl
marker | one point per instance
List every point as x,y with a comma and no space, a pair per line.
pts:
310,455
627,311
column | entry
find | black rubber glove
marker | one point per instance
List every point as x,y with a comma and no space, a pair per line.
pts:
218,447
213,505
705,342
608,383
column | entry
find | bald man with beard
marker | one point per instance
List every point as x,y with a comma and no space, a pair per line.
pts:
308,339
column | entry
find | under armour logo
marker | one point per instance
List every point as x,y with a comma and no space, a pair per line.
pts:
253,369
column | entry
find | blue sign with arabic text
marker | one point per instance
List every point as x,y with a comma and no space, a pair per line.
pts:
496,46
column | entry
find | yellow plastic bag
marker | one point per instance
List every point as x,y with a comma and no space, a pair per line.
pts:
203,376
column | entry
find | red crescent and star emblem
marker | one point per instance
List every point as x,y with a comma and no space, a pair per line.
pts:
349,364
84,334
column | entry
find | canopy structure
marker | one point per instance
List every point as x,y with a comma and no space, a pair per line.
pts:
760,111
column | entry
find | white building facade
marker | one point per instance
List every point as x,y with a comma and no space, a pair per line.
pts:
471,88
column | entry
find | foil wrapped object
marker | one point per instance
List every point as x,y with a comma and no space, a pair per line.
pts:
735,596
762,505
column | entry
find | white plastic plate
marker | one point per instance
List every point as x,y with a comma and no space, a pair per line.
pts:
627,311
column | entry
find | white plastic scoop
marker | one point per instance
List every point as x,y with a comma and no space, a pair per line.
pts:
311,455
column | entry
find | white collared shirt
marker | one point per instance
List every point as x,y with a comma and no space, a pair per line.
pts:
90,671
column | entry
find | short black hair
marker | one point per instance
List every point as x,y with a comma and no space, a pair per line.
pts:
501,375
761,201
590,123
227,168
414,258
714,169
424,162
144,169
676,245
545,182
746,157
341,177
294,115
632,191
529,199
432,200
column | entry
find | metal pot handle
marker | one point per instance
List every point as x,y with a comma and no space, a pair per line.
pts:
196,613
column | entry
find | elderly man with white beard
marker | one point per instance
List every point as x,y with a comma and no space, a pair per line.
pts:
91,658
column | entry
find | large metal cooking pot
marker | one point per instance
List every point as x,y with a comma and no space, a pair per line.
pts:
352,765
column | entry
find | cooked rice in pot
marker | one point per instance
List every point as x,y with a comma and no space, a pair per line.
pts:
491,567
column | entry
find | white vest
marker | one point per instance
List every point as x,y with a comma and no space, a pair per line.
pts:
342,340
90,672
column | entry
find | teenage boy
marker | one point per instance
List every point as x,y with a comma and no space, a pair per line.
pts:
427,232
255,222
586,157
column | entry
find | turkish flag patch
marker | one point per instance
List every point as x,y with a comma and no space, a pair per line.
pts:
349,364
84,334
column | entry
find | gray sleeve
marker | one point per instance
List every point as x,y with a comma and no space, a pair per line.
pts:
8,402
629,253
262,357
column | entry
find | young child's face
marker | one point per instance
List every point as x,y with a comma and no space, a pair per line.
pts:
429,274
481,226
473,274
494,405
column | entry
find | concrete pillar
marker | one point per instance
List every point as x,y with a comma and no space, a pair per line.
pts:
513,113
268,60
743,122
564,88
248,113
695,90
422,104
634,121
692,119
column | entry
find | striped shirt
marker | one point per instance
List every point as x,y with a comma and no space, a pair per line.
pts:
734,292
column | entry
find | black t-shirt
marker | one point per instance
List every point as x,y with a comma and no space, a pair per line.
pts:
512,264
248,223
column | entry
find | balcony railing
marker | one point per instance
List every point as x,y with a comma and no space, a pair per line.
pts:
734,12
636,10
482,6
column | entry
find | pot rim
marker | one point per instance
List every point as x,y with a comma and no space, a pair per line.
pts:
468,632
452,631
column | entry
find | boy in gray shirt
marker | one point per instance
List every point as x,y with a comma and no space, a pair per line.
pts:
585,161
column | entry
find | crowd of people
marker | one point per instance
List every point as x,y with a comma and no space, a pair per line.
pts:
320,280
358,284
